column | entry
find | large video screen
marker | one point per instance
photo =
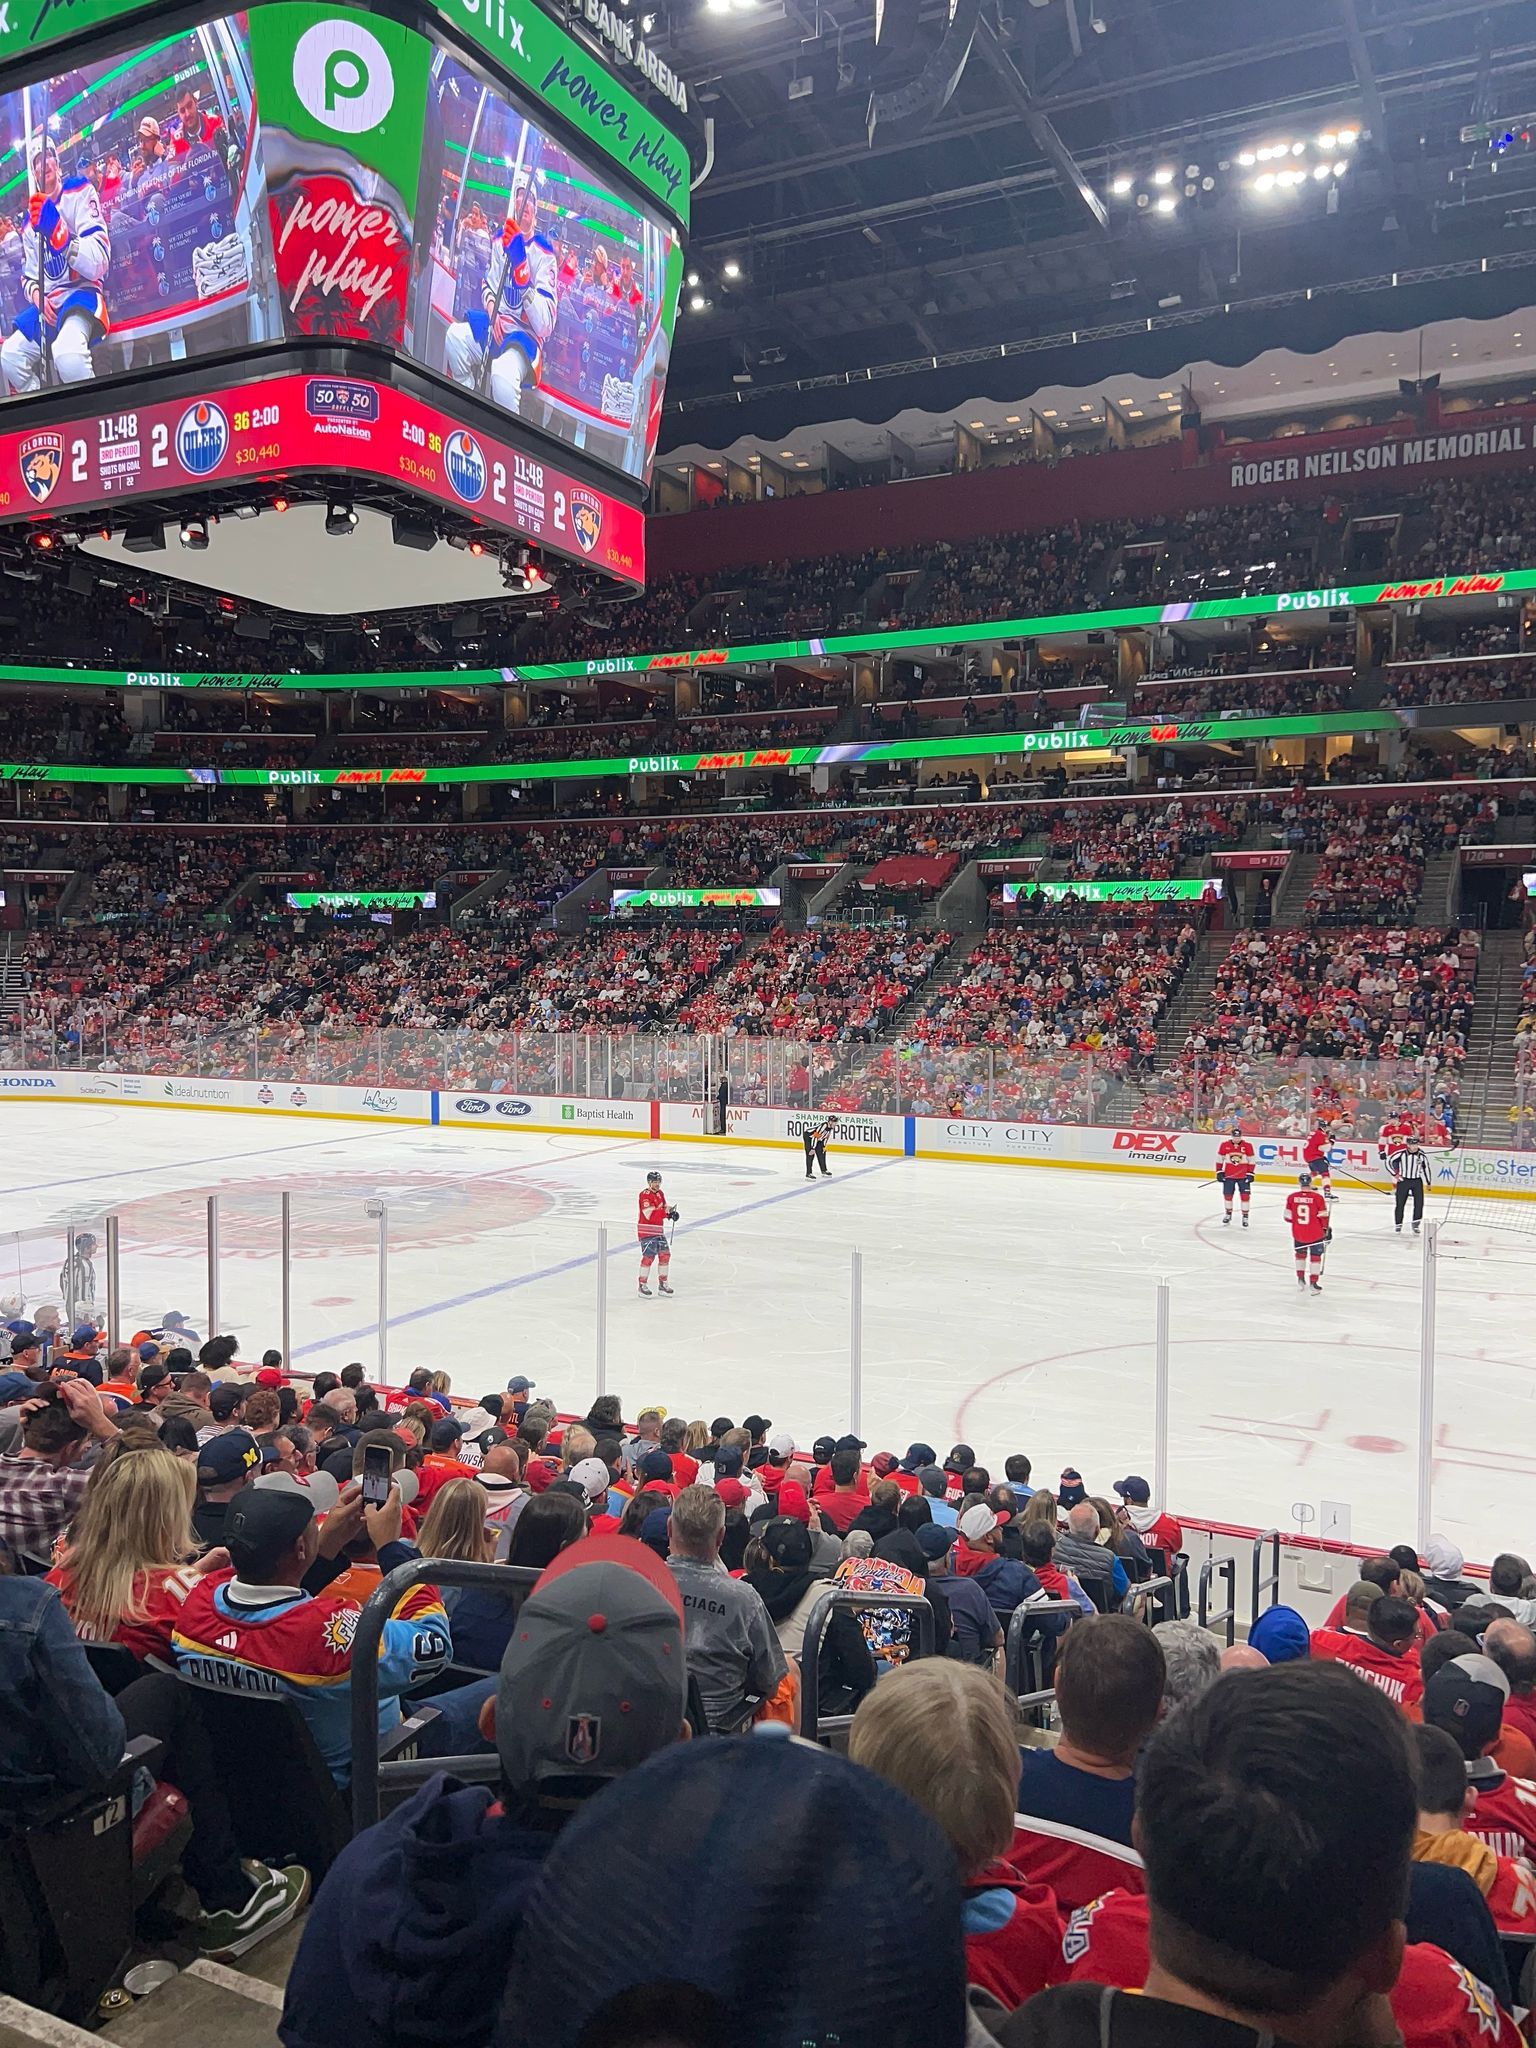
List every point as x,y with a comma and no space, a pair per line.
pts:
538,287
132,214
386,194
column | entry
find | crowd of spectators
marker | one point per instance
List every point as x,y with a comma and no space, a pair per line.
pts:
633,978
1307,691
1372,856
1476,681
833,982
1320,1835
1143,842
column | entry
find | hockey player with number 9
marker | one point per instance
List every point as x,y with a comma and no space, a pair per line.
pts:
65,242
1306,1211
522,300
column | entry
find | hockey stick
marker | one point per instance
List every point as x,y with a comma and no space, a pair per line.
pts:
45,347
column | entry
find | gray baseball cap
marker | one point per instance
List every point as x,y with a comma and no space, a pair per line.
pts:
594,1679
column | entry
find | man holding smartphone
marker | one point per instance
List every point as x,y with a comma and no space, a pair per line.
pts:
258,1618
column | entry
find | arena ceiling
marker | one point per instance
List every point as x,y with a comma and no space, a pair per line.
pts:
1025,211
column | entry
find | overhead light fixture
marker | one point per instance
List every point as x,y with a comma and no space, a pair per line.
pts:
413,533
476,548
1135,413
1121,186
1247,159
693,277
697,303
1163,175
1165,394
144,537
1298,149
1207,184
339,517
1340,168
247,511
1049,413
732,269
1320,172
1328,142
978,426
1167,203
46,543
1143,199
1264,182
194,534
1085,408
1348,137
1013,417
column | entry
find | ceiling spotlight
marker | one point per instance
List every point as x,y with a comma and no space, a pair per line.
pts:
1348,137
1163,175
1191,170
1321,171
732,269
1143,199
693,277
46,542
476,548
1264,182
1298,149
1328,142
697,303
1247,159
1121,186
339,517
1340,168
194,534
1207,184
647,23
247,511
1167,203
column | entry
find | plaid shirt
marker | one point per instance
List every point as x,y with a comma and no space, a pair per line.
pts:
38,1502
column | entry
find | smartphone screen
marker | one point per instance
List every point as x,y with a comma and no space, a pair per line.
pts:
378,1467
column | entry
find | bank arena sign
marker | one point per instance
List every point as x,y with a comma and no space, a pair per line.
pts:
623,37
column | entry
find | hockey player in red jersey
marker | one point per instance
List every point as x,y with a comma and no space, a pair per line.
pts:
1306,1211
1234,1165
655,1245
1314,1157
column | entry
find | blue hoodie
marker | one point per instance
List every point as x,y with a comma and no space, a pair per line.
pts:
407,1940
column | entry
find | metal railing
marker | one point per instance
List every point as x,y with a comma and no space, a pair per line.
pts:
815,1726
371,1778
1028,1638
1224,1568
1265,1582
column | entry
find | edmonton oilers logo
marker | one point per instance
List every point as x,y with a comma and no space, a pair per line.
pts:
465,462
202,435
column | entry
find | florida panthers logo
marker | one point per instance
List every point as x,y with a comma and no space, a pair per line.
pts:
42,464
587,519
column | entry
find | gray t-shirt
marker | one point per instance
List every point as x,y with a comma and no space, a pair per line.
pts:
731,1644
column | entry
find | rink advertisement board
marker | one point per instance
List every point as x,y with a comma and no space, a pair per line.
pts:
349,425
1179,1155
573,1114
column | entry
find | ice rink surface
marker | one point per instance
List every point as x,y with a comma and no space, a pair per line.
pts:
1011,1307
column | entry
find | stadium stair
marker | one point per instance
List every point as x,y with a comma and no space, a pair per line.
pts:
1488,1076
1440,891
1191,1000
1295,888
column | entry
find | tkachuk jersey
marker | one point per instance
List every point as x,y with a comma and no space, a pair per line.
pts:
653,1213
1235,1159
1306,1211
75,250
1436,2003
290,1645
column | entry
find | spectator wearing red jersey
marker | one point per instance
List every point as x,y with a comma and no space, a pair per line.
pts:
846,1493
942,1732
1466,1699
1381,1650
1447,1836
1157,1529
1275,1815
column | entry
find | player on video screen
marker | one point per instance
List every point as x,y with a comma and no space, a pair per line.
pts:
521,303
66,245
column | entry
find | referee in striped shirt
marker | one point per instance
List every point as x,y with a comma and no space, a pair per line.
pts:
1411,1170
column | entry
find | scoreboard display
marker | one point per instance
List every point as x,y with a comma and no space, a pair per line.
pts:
349,426
508,222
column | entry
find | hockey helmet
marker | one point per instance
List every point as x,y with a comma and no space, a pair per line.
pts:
653,1178
1304,1180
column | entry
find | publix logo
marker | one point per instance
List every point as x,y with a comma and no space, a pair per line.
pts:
464,459
342,76
472,1105
202,436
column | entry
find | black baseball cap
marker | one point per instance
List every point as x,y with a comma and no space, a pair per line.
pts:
757,1425
226,1457
445,1434
226,1397
934,1541
787,1543
823,1448
850,1443
261,1527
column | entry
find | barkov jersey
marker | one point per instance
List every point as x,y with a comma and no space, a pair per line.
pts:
279,1642
1436,2003
1306,1211
653,1213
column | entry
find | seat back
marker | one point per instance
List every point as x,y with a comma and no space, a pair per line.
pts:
262,1745
115,1666
67,1899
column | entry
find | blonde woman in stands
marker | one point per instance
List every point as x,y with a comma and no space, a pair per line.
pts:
456,1529
127,1564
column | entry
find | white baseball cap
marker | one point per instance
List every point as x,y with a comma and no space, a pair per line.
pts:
978,1521
782,1444
592,1476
